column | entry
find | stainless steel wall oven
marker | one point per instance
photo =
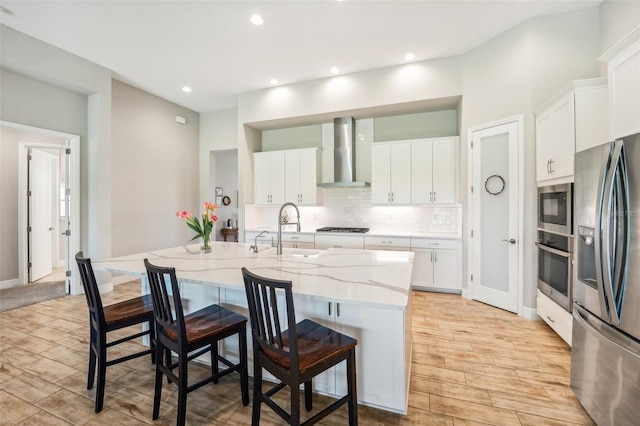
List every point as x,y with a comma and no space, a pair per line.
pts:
555,260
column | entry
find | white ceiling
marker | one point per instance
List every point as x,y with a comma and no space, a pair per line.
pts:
161,46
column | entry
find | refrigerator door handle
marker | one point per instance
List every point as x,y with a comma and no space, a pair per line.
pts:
615,232
600,236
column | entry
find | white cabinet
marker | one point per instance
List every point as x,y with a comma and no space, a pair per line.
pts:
268,178
433,171
302,174
391,173
323,241
624,85
290,175
436,264
387,243
555,316
572,119
297,240
381,364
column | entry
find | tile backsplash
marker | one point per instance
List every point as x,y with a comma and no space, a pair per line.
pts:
351,207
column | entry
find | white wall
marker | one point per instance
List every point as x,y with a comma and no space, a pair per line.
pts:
48,69
617,19
153,174
218,132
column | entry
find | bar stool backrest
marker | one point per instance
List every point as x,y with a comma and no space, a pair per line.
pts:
91,291
266,321
164,289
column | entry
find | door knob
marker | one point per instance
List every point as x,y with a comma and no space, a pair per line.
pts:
50,229
511,241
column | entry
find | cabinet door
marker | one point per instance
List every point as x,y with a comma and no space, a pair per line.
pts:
380,353
323,314
276,177
422,268
445,269
261,177
308,177
421,173
380,174
400,173
555,140
292,176
624,78
444,171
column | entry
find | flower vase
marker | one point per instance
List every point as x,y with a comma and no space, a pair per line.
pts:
206,246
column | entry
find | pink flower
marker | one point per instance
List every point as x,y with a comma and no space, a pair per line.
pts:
214,218
183,214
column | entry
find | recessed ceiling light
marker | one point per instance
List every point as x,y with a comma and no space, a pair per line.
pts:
273,81
334,70
186,89
409,56
257,20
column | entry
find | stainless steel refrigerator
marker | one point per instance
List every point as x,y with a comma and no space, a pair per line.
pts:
605,353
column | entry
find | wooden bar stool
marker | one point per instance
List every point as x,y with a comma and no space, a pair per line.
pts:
190,336
103,319
296,355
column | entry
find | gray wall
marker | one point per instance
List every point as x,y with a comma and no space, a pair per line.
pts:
9,189
154,173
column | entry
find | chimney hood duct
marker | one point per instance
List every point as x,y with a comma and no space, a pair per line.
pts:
344,155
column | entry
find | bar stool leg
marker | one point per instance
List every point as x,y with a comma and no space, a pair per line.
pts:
351,388
244,373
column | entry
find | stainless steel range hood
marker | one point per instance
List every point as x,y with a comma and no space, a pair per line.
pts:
344,155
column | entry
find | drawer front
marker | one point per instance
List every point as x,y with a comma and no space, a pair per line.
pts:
433,244
297,238
339,241
399,242
555,316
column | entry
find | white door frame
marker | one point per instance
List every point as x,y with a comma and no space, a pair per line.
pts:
519,119
73,142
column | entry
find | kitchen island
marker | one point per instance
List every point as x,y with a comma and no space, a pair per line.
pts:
362,293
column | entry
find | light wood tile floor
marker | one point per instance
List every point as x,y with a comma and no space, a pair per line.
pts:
472,364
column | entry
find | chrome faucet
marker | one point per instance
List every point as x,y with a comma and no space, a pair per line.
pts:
279,249
254,247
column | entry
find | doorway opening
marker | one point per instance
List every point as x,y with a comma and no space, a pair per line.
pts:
47,208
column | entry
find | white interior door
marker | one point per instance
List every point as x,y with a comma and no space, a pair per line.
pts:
40,206
494,215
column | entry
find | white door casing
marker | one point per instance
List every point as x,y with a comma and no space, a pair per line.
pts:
495,210
41,217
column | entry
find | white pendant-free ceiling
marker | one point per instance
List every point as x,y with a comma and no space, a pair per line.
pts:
213,48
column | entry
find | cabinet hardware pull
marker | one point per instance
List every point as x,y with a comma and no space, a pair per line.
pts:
338,309
435,257
431,257
329,304
549,318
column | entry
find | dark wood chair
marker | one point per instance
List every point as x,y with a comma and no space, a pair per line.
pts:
103,319
190,336
296,355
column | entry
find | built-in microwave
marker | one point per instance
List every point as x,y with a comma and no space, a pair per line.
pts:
555,208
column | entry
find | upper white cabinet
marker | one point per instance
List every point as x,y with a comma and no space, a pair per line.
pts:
268,177
434,171
420,171
302,173
391,173
573,119
290,175
624,85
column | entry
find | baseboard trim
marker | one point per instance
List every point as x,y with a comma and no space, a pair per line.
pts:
530,313
9,283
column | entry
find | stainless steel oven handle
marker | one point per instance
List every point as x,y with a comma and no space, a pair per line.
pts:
562,253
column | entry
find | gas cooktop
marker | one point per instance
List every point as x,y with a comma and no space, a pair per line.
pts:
339,229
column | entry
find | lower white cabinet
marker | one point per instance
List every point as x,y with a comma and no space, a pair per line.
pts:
323,241
436,264
387,243
381,366
296,240
555,316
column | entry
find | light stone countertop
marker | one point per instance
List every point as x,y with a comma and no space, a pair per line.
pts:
360,277
370,233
